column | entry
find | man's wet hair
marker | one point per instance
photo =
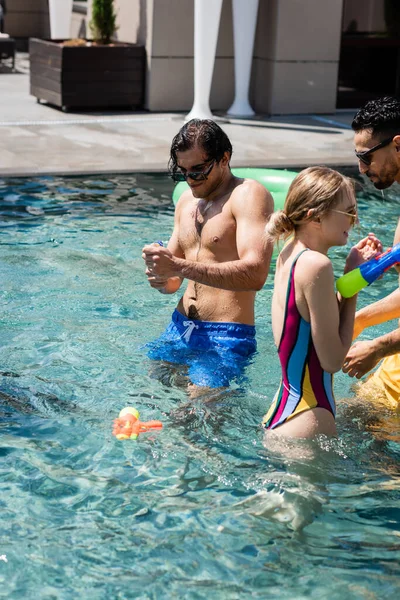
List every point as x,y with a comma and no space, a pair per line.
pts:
204,133
381,116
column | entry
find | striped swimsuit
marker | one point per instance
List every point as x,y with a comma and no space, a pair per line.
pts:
304,384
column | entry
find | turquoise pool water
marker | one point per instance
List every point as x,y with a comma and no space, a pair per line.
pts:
201,510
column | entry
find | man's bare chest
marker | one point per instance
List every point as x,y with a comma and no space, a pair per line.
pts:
211,230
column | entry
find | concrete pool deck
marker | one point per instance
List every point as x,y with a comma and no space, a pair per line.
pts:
39,139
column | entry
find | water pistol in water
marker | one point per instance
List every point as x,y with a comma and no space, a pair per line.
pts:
128,426
351,283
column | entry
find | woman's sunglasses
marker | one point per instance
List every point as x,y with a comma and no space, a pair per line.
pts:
353,215
195,175
366,157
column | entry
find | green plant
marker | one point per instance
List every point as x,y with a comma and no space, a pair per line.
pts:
103,24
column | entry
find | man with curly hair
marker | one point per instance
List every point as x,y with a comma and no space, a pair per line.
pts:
218,245
377,146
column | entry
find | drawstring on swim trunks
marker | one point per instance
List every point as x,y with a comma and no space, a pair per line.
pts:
190,326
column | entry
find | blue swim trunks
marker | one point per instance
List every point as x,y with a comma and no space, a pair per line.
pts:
215,353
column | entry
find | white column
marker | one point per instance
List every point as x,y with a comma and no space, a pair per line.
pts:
60,19
207,14
244,30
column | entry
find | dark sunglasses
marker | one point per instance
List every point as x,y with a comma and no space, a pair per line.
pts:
195,175
365,156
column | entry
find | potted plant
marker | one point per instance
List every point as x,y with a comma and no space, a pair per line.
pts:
97,73
104,21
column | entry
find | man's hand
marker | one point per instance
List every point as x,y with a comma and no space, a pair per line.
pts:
160,262
361,358
164,283
158,283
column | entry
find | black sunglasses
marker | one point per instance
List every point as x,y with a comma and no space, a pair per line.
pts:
195,175
365,156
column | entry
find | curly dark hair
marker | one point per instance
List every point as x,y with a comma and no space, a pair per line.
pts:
382,116
204,133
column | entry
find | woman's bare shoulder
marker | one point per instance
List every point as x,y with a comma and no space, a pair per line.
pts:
314,266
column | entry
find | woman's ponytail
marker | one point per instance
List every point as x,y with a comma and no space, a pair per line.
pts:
278,226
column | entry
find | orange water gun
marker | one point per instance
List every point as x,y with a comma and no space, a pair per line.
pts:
128,426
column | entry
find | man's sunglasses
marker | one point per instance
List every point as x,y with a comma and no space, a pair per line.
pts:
195,175
366,157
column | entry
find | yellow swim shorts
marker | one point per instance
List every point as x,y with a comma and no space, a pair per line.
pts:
384,384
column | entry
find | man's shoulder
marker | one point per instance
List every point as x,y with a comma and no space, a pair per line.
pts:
184,199
254,193
250,185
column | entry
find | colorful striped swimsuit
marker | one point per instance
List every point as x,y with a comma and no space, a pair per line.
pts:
304,384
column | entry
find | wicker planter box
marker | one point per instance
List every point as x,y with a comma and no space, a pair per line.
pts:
87,76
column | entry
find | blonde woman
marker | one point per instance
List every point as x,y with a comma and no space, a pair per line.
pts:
312,326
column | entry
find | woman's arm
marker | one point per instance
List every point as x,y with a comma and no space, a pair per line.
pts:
331,324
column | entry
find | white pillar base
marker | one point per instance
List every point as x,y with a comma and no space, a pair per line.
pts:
198,112
240,109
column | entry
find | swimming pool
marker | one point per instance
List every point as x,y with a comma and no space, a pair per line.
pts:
200,510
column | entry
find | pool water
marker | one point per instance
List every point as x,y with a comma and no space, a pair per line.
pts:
201,509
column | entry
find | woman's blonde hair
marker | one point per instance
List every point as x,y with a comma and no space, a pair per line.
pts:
316,188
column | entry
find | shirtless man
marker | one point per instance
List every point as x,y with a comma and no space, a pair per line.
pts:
218,245
377,142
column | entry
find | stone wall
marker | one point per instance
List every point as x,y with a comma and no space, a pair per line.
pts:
294,67
27,18
296,53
